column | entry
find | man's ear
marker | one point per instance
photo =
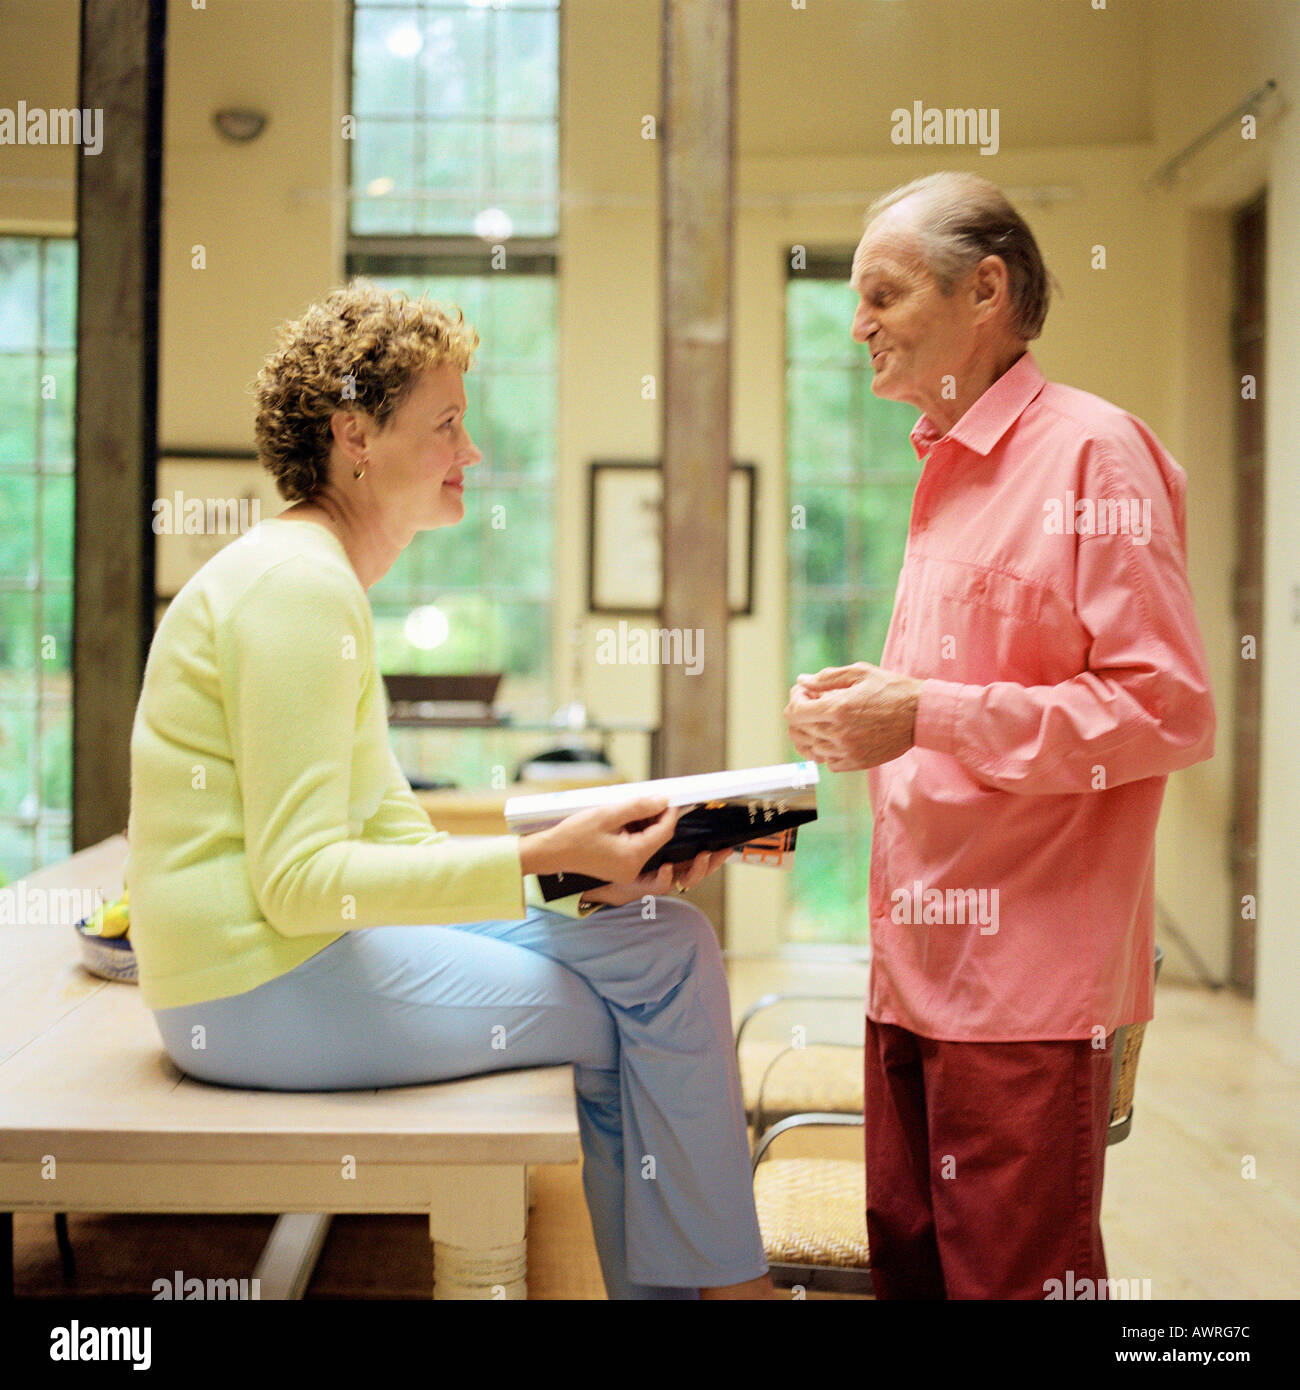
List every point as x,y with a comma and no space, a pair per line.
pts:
991,286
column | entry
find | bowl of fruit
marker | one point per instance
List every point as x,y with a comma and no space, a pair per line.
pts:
106,943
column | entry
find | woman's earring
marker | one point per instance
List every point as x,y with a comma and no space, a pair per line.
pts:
359,471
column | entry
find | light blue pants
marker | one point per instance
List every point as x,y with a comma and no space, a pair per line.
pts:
640,1006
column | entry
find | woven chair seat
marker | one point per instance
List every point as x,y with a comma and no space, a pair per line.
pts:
1128,1070
815,1077
812,1211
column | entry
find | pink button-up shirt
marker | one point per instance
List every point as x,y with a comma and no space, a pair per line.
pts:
1044,603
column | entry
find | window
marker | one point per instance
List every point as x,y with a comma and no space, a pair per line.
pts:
455,194
455,103
38,295
851,472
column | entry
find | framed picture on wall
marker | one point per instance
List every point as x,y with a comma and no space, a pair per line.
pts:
625,522
202,501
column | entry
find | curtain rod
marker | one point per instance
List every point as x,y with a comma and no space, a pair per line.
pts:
1165,174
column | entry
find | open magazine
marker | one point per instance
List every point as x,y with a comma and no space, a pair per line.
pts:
754,812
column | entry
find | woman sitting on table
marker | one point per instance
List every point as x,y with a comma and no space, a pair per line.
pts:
289,895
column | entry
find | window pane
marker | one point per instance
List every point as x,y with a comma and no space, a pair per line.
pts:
522,329
451,557
883,511
885,441
56,527
383,175
56,756
58,389
455,65
386,46
517,544
527,64
520,411
820,317
526,657
819,548
819,635
55,638
60,294
19,405
819,411
873,628
19,293
17,736
17,651
53,839
453,178
17,526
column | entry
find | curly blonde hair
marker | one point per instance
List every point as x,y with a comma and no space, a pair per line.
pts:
359,348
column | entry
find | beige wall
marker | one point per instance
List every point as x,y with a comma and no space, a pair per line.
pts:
38,65
1214,56
268,215
1091,103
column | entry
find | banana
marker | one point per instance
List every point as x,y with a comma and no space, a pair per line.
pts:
112,920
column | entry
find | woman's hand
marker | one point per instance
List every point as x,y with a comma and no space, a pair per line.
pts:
666,878
608,842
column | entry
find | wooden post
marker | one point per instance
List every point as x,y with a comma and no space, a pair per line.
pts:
117,371
698,119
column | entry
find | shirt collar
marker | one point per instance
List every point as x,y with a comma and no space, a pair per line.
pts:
992,415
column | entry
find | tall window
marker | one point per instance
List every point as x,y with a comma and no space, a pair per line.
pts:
455,194
852,471
38,295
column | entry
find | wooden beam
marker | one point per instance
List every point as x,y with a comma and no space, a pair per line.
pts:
118,199
697,129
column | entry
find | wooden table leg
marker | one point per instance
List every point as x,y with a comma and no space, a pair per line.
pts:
478,1221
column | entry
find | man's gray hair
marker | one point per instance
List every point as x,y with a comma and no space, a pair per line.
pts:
961,219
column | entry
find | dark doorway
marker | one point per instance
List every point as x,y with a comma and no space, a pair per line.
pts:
1248,338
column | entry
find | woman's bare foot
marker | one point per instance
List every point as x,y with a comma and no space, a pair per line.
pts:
751,1288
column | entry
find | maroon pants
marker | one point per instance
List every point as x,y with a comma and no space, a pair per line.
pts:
984,1165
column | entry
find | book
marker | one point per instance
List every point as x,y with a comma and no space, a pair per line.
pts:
755,812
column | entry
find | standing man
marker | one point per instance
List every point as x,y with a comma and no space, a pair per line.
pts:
1042,676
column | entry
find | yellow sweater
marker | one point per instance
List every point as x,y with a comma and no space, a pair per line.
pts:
268,813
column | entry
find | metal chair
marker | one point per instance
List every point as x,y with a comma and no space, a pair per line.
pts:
817,1073
812,1211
